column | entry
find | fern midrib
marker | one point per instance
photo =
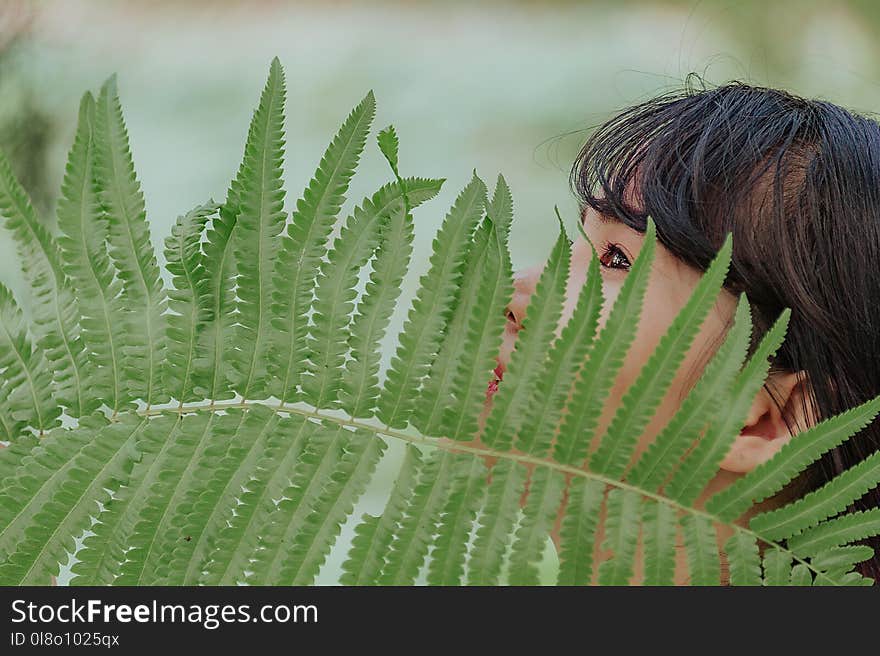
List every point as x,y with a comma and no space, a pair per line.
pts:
448,445
27,372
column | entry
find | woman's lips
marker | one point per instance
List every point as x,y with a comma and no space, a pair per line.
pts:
493,384
511,330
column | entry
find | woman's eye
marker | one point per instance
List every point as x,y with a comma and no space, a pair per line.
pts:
613,257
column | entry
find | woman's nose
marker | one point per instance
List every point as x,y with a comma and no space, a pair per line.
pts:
524,282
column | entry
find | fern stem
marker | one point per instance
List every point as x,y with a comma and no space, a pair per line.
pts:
448,445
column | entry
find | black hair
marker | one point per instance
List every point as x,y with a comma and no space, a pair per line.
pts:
797,182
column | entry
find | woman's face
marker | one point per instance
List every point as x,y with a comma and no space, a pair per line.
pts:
670,285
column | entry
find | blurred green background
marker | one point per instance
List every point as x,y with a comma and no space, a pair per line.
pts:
510,87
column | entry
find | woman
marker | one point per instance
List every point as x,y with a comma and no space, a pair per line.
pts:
797,182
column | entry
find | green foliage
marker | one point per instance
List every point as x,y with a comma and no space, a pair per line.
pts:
219,424
128,242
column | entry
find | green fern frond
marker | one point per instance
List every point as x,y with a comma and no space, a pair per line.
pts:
800,576
359,384
702,463
837,578
700,537
57,488
231,534
330,475
776,567
484,332
448,558
122,203
316,535
743,559
644,395
500,208
242,449
189,300
578,531
259,221
25,391
373,535
418,524
389,144
830,499
622,527
305,244
606,357
116,551
564,361
769,478
539,513
439,387
836,532
330,332
211,369
527,361
11,456
702,402
83,238
496,522
659,532
53,308
841,559
431,307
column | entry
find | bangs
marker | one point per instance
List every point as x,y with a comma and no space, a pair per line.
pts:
701,163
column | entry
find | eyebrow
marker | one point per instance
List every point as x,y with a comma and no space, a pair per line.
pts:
607,218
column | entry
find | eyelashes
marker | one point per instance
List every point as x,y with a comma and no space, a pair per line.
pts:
613,257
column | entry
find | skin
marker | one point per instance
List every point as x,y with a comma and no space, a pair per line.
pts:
670,285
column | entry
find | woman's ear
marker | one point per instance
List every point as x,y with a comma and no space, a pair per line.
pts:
767,425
